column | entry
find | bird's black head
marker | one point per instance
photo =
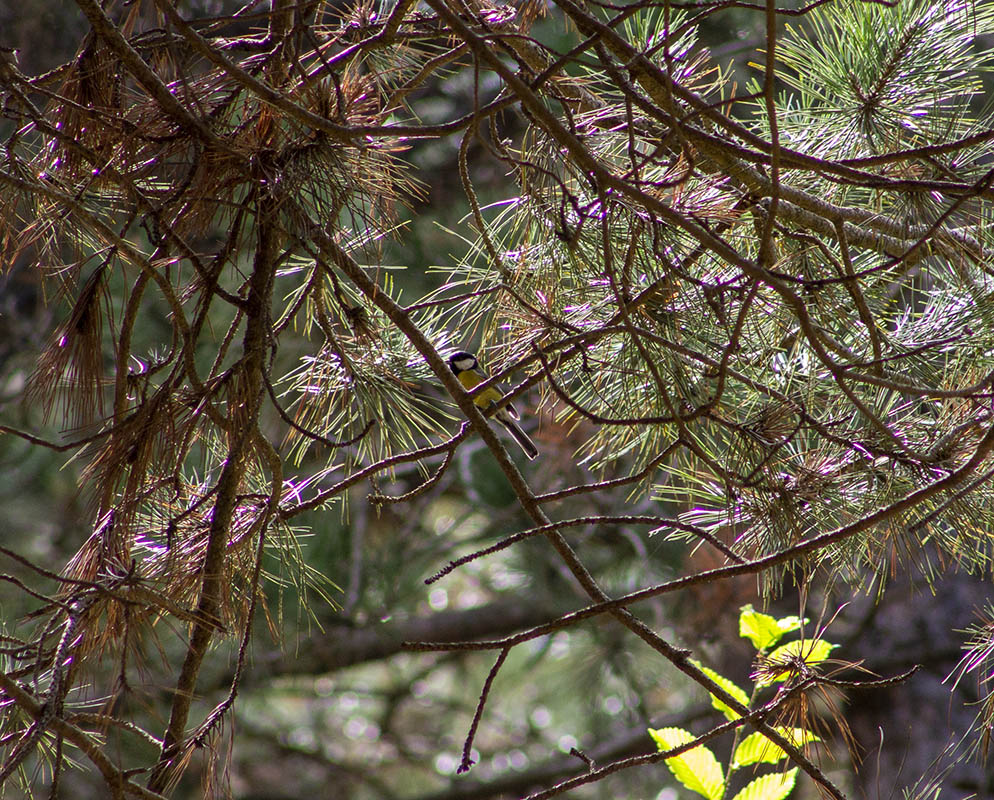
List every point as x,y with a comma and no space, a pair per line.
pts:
461,361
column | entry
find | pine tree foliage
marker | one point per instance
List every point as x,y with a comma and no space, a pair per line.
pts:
759,316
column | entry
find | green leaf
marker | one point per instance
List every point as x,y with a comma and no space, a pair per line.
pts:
811,651
760,629
763,630
769,787
729,687
757,749
790,624
697,769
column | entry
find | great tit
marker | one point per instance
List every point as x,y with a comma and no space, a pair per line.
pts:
467,370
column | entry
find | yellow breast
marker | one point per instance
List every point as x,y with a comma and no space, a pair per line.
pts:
470,379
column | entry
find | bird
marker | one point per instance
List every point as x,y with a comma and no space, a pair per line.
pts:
467,370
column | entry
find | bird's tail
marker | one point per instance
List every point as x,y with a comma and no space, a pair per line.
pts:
518,435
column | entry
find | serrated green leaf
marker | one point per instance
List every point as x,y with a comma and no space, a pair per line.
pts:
729,687
790,624
697,769
769,787
811,651
763,630
760,629
757,749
